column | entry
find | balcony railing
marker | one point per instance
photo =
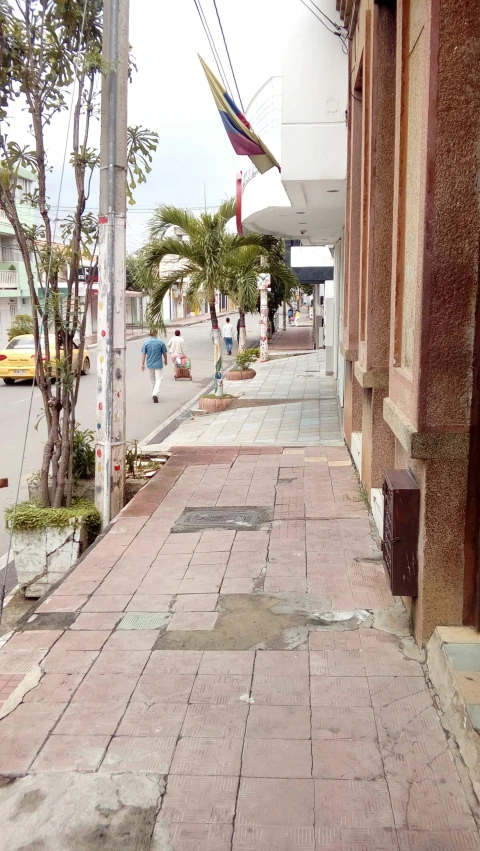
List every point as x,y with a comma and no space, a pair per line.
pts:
8,280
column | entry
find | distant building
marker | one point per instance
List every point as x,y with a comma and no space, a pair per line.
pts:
14,289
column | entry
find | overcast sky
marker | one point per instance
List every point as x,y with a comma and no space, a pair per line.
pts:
170,94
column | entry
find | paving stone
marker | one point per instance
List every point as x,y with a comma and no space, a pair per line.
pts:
163,688
219,689
436,840
275,802
273,838
132,640
96,621
362,839
28,716
174,661
139,753
205,586
199,800
196,602
121,661
237,586
277,758
186,621
107,603
206,721
346,722
95,719
82,640
62,604
352,804
39,639
339,663
19,751
281,691
69,661
144,620
278,722
71,753
227,662
347,759
94,687
191,837
19,661
286,663
149,602
388,689
158,720
426,805
54,688
205,756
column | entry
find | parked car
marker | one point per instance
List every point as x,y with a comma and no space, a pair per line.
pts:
17,359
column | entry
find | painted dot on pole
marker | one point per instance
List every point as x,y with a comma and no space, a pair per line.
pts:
99,453
99,468
104,333
116,467
101,358
100,406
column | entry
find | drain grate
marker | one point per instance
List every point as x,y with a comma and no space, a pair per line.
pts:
250,518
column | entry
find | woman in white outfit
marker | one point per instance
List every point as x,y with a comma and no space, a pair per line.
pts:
176,346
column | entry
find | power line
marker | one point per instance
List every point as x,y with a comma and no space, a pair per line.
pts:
333,32
228,54
218,61
337,27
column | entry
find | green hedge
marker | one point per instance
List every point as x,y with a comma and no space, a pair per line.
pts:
31,516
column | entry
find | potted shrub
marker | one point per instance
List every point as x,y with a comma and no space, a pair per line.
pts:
241,371
47,542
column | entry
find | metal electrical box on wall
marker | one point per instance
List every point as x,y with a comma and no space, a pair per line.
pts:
401,517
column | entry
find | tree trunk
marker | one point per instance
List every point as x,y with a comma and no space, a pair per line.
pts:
284,315
217,351
242,343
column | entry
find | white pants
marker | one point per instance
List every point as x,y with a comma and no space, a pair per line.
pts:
156,376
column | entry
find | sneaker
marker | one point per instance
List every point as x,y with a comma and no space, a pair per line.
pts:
155,398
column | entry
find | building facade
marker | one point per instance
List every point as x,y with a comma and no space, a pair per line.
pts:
14,290
411,320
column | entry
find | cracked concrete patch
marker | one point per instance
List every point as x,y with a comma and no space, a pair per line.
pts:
245,621
90,812
394,620
342,621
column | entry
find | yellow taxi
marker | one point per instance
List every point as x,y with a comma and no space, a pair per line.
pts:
17,359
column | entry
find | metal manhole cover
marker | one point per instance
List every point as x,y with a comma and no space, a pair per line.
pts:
222,517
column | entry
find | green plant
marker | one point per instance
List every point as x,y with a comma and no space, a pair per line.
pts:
131,457
31,516
244,359
22,324
204,255
83,460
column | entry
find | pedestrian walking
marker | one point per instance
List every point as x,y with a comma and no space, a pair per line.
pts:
154,356
227,335
290,315
176,346
297,317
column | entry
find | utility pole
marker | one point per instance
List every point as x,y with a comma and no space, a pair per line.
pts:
263,286
110,401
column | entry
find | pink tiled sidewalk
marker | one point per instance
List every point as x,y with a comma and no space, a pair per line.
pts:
333,745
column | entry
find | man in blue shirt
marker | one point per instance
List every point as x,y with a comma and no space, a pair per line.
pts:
154,352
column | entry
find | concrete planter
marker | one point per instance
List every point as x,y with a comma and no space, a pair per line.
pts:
213,406
44,556
241,374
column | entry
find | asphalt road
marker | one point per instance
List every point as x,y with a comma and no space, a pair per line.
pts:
142,415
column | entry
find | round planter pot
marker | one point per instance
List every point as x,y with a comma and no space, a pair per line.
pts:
240,374
214,405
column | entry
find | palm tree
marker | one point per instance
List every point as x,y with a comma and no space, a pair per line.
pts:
205,253
243,268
